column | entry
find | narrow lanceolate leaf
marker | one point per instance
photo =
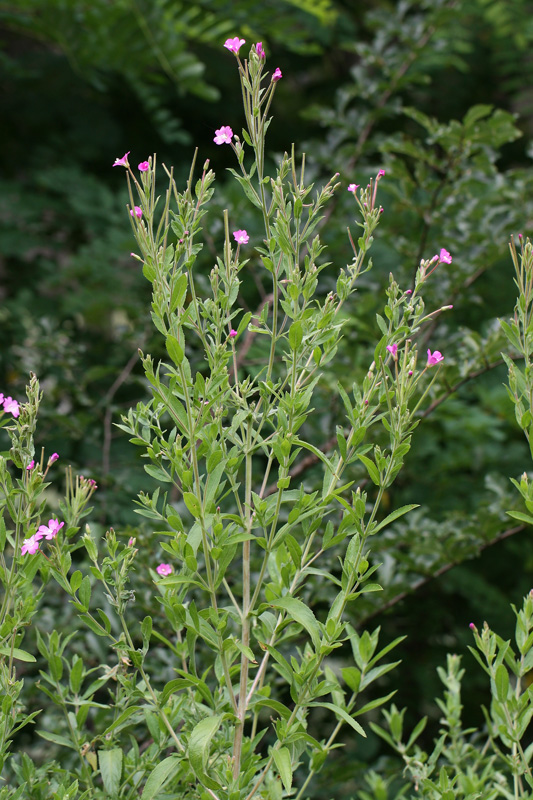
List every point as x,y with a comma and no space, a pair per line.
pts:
160,775
301,614
193,504
371,469
174,349
295,335
20,655
110,763
395,514
282,760
199,743
340,712
502,683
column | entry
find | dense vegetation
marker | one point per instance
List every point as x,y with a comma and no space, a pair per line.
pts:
435,92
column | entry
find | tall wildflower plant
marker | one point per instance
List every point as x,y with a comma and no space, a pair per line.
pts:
240,533
493,761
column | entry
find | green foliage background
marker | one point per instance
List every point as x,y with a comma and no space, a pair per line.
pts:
439,94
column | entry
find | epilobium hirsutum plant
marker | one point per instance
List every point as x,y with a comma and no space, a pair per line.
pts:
214,693
226,429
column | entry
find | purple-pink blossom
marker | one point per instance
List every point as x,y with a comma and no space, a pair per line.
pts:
434,358
241,237
353,187
49,531
31,464
122,162
53,458
444,257
393,349
259,50
136,211
11,406
234,44
277,75
30,545
381,173
163,569
224,135
144,166
233,333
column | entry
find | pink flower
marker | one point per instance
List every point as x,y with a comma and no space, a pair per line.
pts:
393,349
144,166
444,257
224,135
163,569
434,358
381,173
131,541
241,237
353,187
408,291
49,531
122,162
11,406
234,44
136,212
259,50
30,545
53,458
277,76
472,626
31,464
233,333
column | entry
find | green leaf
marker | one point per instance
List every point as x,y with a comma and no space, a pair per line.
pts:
501,680
301,614
295,335
520,516
174,349
110,763
20,655
56,739
395,514
193,504
371,468
160,775
282,760
343,714
199,742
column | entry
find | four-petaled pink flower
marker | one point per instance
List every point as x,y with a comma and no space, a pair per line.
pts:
163,569
49,531
277,76
434,358
393,349
53,458
444,257
144,166
241,237
31,464
11,406
224,135
30,545
122,162
234,44
233,333
136,212
353,187
381,173
259,50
